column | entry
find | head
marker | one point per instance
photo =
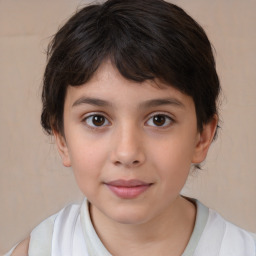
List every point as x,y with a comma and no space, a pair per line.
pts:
144,40
130,93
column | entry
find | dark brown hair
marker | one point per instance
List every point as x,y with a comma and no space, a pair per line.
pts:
144,39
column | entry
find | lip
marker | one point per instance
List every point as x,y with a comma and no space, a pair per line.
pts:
128,189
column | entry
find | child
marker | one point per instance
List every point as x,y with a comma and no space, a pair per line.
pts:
130,93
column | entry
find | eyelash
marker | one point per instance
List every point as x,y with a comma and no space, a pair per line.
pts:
165,116
92,126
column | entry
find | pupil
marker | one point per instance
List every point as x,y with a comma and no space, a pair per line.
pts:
98,120
159,120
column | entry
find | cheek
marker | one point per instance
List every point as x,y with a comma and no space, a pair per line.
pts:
87,161
173,174
172,159
173,164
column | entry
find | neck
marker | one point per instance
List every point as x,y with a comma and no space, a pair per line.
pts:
167,233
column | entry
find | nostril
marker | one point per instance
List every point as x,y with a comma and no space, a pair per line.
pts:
118,163
133,163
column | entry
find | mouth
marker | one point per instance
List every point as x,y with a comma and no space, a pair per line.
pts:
128,189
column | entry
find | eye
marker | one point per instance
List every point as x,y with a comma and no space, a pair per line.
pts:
160,120
96,121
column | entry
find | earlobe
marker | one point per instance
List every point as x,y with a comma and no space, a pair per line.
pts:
205,140
62,148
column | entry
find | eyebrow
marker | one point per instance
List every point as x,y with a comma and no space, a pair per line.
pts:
147,104
161,102
91,101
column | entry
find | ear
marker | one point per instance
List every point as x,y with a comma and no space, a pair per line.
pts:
205,140
62,148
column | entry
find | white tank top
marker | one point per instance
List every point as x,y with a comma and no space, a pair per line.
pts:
71,233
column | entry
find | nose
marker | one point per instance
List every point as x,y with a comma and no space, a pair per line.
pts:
128,149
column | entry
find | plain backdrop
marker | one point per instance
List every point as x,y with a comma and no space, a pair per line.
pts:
33,183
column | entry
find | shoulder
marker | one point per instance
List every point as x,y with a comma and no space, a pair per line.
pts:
22,248
43,236
231,239
40,239
217,236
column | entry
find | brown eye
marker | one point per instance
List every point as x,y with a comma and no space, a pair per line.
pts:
96,121
159,121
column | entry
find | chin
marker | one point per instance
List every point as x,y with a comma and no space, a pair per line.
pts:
130,216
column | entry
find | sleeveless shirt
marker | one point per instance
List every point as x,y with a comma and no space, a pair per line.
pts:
70,232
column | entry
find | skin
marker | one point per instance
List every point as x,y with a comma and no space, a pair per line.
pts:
128,144
22,248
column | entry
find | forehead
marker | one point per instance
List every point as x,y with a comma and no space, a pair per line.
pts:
107,84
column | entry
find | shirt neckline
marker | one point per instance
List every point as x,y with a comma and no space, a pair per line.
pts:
96,248
202,215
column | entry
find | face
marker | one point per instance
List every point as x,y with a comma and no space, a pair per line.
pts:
130,145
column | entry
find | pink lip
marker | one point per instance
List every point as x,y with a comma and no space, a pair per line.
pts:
128,189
